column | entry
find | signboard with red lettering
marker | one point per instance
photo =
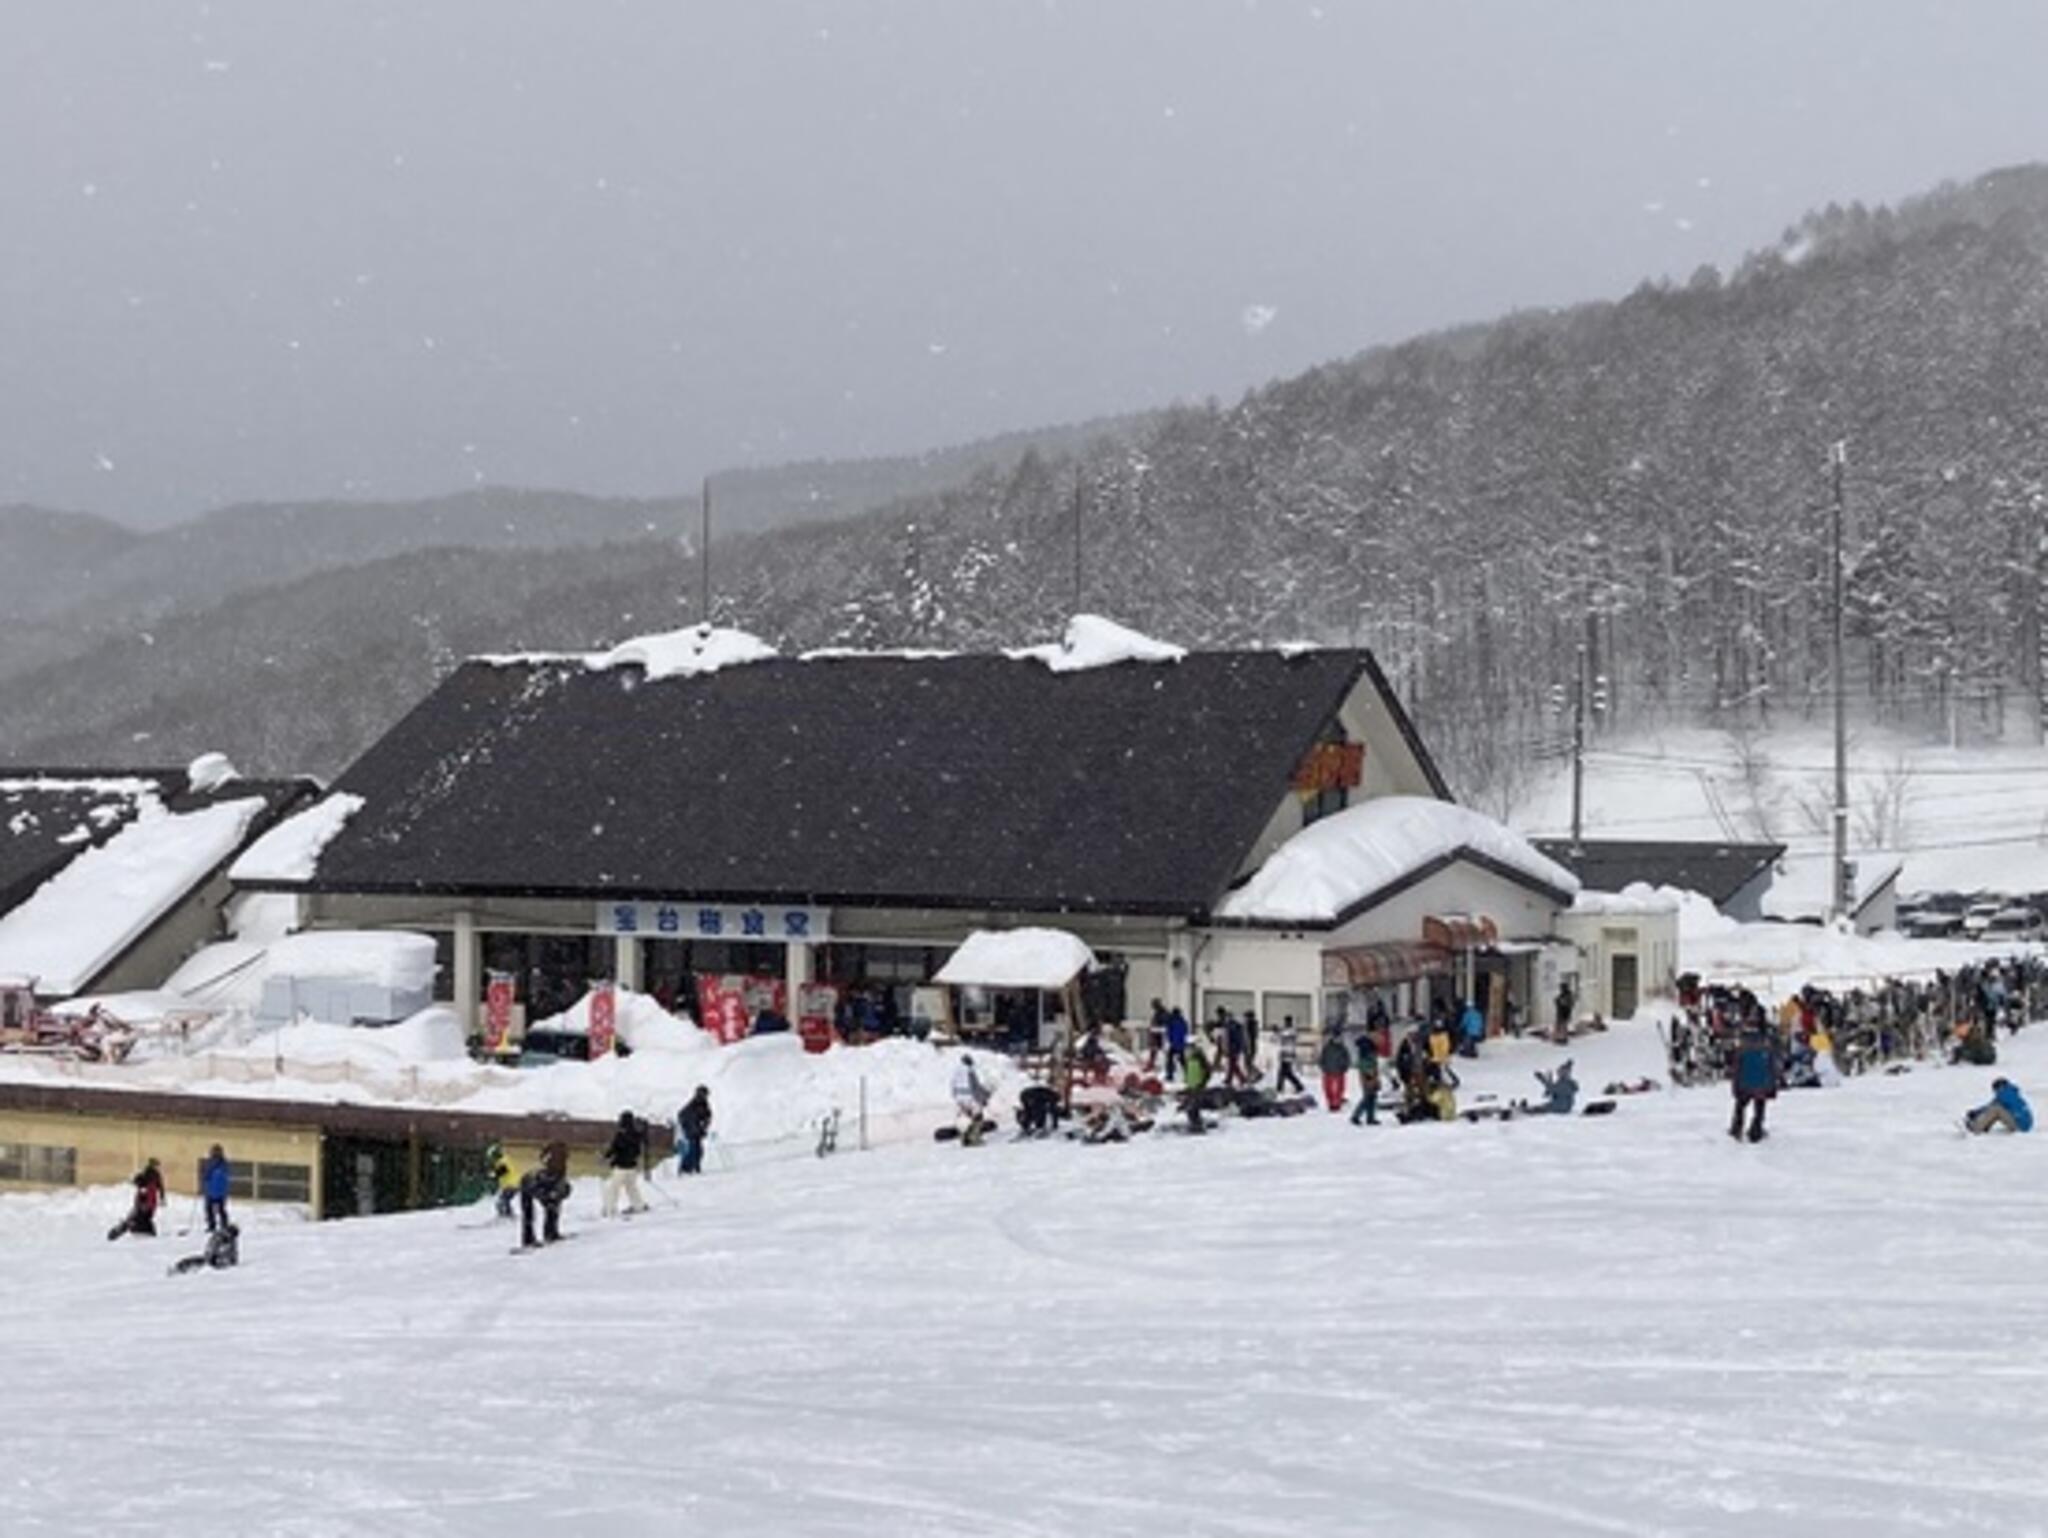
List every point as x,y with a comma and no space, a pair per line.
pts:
728,1004
604,1019
498,1012
817,1006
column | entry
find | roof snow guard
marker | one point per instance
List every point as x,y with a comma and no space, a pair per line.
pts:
1132,785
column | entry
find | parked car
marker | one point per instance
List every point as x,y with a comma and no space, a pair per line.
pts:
1930,924
2015,924
1980,915
543,1047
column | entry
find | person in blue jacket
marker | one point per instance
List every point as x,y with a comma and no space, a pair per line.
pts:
214,1179
1754,1075
1176,1043
1471,1029
2006,1108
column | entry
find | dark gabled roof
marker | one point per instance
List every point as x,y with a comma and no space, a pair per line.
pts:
48,817
972,781
1716,871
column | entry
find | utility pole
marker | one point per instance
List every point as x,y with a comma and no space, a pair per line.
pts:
704,562
1579,746
1845,896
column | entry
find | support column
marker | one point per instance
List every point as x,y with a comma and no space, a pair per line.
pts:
469,971
796,972
628,963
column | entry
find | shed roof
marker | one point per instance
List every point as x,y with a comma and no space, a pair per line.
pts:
1717,871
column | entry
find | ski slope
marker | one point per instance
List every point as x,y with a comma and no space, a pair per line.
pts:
1596,1325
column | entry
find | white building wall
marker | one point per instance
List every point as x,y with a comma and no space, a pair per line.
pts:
1266,965
1457,888
1651,936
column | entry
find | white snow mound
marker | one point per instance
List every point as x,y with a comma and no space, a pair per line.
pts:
210,771
1017,958
291,850
1094,642
686,653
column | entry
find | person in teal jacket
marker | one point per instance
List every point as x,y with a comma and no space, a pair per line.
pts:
2006,1108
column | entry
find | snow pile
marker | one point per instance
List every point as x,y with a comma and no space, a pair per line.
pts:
85,916
1636,897
209,772
640,1021
1094,642
432,1036
1337,862
686,653
1017,958
291,850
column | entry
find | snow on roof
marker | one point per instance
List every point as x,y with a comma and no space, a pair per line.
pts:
1017,958
1636,897
86,915
1804,884
685,653
291,850
1333,865
1094,642
208,772
232,972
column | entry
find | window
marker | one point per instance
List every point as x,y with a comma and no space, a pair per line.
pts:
40,1163
252,1182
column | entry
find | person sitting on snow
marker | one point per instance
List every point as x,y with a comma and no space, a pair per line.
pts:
1038,1110
2006,1108
1560,1091
548,1187
223,1249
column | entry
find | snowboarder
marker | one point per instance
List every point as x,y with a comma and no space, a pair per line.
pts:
149,1195
623,1155
693,1126
1288,1037
1560,1091
223,1249
1368,1081
2006,1108
1176,1043
215,1177
547,1186
1754,1075
1335,1062
970,1095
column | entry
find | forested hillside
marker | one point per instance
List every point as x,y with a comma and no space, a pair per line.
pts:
1645,478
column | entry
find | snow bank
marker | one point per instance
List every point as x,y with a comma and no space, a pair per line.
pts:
1017,958
640,1021
291,850
86,915
1339,861
232,973
1094,642
432,1036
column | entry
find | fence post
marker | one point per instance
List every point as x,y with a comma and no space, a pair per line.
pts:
863,1113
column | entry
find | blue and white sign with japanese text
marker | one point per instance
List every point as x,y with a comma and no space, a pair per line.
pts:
704,921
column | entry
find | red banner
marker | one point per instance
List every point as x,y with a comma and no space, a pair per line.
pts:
727,1005
817,1008
498,1012
604,1020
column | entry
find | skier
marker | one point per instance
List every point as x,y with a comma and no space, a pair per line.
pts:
1754,1076
623,1155
504,1179
1289,1039
223,1249
215,1177
1335,1062
149,1195
693,1126
548,1186
1368,1081
970,1095
1176,1042
2006,1108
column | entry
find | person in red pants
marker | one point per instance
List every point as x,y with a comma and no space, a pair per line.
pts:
1336,1065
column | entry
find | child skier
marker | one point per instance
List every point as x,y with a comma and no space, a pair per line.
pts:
149,1195
504,1179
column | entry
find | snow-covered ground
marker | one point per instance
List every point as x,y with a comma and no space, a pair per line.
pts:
1963,819
1624,1325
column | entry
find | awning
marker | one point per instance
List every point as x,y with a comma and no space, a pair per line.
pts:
1460,931
1046,959
1391,961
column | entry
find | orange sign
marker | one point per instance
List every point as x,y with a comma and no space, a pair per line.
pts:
1330,766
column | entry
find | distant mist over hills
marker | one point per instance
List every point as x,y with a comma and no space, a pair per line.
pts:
1643,478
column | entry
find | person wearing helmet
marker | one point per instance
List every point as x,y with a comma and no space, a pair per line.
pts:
2006,1108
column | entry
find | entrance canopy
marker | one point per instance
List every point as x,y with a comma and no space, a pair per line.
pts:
1046,959
1461,931
1391,961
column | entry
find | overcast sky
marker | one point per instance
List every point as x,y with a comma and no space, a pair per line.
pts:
253,249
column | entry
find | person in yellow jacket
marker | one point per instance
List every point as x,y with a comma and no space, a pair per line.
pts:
504,1178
